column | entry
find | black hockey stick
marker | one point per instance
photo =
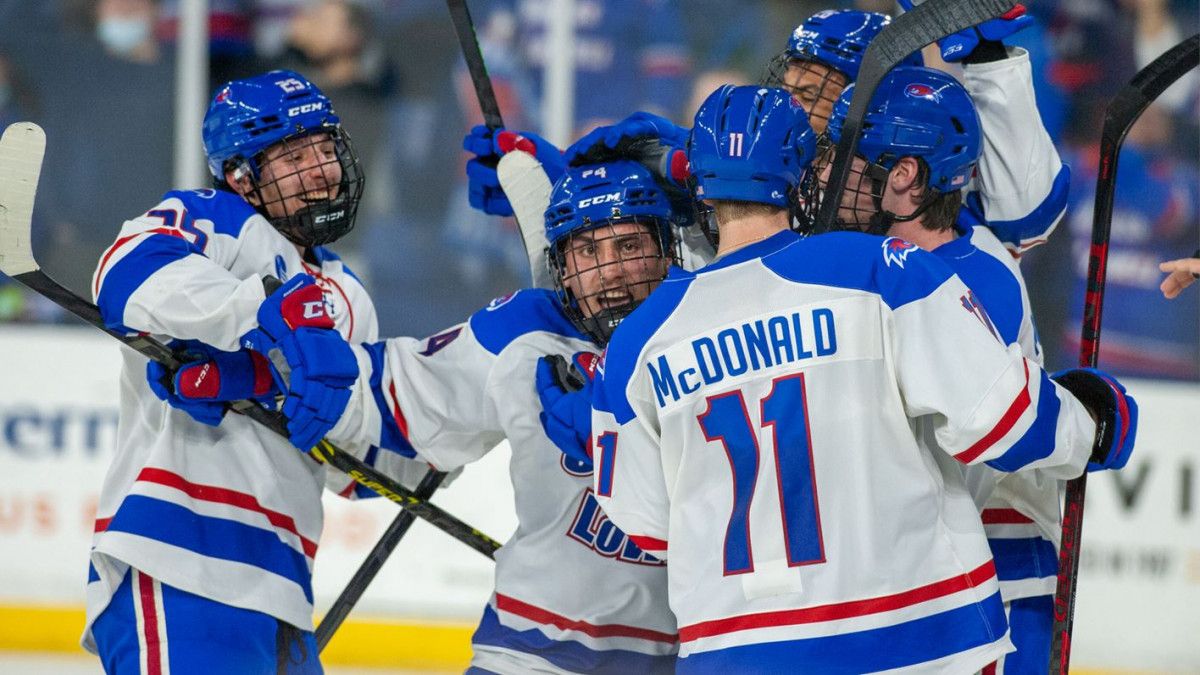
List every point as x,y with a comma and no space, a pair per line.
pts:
21,151
464,28
1122,113
927,23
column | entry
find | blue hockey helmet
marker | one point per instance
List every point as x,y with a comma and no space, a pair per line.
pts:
750,144
603,271
838,39
246,117
918,112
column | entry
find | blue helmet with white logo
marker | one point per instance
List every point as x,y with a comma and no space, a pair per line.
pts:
918,112
247,117
838,39
750,144
603,268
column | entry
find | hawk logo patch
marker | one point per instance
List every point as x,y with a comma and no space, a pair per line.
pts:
896,250
500,301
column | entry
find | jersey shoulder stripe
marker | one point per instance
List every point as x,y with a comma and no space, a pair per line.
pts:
151,254
508,318
897,271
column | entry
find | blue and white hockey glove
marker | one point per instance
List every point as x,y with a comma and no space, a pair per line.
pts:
1115,411
651,140
566,394
309,360
484,191
963,44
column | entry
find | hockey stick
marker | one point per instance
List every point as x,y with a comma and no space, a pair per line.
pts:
526,177
928,22
1122,113
21,150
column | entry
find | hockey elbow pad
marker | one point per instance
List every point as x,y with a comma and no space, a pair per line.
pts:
1115,412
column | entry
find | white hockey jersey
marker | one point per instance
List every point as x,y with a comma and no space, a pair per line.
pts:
1021,186
573,593
756,420
1021,511
232,513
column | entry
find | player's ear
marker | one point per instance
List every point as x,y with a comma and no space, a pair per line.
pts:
905,178
238,180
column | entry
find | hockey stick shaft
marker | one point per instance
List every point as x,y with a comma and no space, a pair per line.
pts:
464,28
1122,113
374,561
20,163
925,24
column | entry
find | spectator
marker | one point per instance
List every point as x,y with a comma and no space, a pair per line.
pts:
1181,274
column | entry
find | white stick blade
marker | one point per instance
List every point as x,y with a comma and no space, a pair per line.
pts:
528,189
21,151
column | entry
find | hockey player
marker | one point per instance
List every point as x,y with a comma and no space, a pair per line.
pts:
573,593
904,185
776,389
206,532
1022,188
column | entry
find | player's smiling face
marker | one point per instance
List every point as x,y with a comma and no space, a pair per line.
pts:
816,87
297,172
612,265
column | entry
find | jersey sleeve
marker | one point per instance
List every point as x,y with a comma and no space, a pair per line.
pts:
629,480
426,397
1022,185
987,403
168,272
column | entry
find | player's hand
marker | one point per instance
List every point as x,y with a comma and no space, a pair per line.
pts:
163,382
963,44
566,394
654,141
309,360
484,191
1180,274
1115,412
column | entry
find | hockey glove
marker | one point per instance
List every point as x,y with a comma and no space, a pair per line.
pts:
653,141
566,394
309,360
972,44
163,382
484,191
1116,414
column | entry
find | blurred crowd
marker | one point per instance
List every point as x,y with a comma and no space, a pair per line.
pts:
98,75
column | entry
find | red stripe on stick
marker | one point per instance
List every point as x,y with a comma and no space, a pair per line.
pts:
528,611
841,610
1006,423
220,495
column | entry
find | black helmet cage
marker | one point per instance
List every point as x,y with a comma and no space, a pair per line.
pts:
598,314
319,221
817,102
868,180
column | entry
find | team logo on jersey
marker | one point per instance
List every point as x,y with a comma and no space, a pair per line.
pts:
918,90
575,467
896,250
280,268
500,301
593,529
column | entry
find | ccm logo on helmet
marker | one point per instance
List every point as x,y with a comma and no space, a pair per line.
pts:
599,199
306,108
